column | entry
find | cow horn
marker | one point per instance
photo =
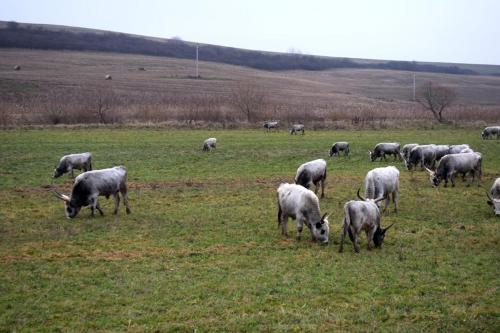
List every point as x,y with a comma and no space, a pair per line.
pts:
324,217
61,196
379,199
387,227
359,195
429,171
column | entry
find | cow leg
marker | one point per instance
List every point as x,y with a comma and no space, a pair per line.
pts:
283,221
387,201
116,197
395,200
452,180
98,207
355,243
124,192
300,227
323,188
369,238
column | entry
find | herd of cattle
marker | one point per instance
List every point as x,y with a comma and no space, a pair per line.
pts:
296,200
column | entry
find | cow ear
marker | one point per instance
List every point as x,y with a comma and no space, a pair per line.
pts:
489,203
318,225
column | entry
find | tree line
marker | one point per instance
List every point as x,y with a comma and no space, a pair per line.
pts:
17,36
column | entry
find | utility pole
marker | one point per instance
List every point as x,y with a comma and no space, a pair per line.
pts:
197,75
414,86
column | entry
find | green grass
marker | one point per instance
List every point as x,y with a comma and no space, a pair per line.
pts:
201,250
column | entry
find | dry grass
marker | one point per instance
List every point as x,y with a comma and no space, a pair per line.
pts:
69,87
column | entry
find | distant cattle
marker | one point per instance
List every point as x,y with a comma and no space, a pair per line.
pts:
70,162
385,148
297,128
337,147
491,131
313,172
17,68
209,144
302,205
423,155
108,77
269,125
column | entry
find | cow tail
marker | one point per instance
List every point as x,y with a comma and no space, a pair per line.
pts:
279,212
369,188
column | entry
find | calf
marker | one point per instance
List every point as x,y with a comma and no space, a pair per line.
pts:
338,147
490,131
70,162
381,183
209,144
385,148
302,205
313,172
297,128
91,184
362,215
456,163
494,196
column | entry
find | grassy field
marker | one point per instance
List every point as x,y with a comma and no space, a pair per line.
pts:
201,250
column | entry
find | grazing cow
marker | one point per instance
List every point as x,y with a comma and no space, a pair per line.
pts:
425,155
385,148
456,149
91,184
209,144
338,147
362,215
269,125
313,172
17,68
108,77
70,162
381,183
406,150
494,196
297,128
302,205
456,163
490,131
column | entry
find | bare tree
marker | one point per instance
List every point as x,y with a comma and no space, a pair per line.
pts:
436,98
248,98
104,100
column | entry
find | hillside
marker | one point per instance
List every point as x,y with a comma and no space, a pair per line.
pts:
52,37
67,86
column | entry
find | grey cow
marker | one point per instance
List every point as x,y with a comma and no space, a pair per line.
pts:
494,197
337,147
91,184
362,215
68,163
385,148
491,131
382,183
456,163
297,128
313,172
302,205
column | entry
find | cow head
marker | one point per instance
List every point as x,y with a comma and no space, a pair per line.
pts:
433,177
494,203
321,230
371,155
58,172
70,209
378,236
483,135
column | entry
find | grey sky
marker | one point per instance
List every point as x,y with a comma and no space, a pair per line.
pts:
462,31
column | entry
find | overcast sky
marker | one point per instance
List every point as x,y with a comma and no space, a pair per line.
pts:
461,31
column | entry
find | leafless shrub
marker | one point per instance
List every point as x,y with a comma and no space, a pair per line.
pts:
436,99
